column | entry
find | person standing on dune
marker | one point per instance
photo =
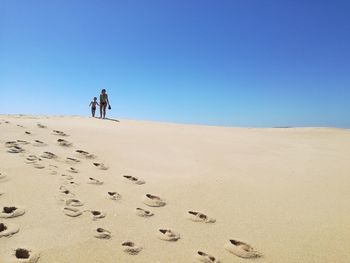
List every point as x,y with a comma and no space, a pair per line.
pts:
93,106
103,104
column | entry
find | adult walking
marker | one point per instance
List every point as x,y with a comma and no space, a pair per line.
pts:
103,104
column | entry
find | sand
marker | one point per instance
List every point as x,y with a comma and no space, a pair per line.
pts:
283,192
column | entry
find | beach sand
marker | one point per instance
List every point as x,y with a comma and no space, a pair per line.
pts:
284,192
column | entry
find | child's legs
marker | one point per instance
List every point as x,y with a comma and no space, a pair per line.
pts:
93,110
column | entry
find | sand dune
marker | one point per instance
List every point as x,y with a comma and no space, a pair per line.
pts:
76,189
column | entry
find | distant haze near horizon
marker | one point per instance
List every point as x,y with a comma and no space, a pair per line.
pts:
230,63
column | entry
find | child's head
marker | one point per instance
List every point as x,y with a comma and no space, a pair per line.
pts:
95,98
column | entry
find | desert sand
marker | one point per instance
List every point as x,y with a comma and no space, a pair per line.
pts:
141,191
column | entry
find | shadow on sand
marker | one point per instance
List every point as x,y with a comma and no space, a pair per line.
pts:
110,119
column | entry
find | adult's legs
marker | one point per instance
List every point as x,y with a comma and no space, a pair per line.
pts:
101,106
104,110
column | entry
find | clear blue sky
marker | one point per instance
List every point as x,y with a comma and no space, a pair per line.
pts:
233,62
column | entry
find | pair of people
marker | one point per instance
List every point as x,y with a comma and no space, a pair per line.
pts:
103,104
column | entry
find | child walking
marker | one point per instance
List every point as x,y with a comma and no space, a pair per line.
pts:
93,106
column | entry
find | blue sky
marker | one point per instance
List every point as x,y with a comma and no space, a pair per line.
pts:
233,62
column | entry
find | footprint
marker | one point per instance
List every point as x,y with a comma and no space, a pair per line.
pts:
102,233
85,154
67,177
168,235
62,142
114,195
143,213
19,125
94,181
73,202
52,169
32,159
39,143
15,149
49,155
41,126
8,229
72,160
11,211
25,256
241,249
65,193
27,132
63,189
153,200
133,179
130,248
38,166
101,166
205,258
71,183
72,170
10,144
72,212
52,172
200,217
59,133
22,142
3,176
97,214
82,152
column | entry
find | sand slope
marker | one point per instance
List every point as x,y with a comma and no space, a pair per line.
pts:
284,192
